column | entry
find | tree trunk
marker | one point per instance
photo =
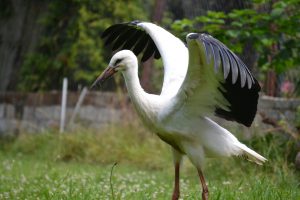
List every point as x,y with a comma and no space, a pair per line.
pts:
271,83
159,9
19,33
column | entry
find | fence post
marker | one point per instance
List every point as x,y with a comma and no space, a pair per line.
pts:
63,105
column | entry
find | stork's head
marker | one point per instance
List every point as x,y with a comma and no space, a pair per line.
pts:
122,61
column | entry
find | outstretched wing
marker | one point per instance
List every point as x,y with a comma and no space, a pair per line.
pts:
217,81
151,40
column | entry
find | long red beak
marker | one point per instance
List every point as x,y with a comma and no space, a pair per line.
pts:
107,73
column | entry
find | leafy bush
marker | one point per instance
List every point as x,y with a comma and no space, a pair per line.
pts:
271,27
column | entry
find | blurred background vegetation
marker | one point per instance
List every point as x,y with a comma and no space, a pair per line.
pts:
57,39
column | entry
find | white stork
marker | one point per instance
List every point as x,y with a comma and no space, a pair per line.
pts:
201,79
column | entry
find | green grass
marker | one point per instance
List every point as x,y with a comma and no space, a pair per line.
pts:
78,165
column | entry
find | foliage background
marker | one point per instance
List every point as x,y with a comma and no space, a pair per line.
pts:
71,45
264,33
268,31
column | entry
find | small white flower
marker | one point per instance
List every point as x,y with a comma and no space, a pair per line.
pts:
226,182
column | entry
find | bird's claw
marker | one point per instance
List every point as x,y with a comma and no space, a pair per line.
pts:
175,196
205,195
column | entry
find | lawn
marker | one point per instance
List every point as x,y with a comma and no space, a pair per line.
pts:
78,165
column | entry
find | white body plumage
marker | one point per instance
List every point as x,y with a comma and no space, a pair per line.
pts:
197,137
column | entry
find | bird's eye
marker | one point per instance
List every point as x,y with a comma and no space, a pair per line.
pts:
118,61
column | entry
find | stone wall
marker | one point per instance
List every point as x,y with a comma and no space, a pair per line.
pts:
33,112
278,108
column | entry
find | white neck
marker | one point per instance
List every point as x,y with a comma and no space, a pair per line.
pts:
145,104
133,85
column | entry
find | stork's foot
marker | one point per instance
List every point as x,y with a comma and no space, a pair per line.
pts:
205,194
176,195
204,185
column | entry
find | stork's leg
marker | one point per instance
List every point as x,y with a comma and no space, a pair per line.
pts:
177,159
203,184
176,191
196,154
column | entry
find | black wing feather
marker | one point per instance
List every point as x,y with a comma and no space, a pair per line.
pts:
225,61
113,33
217,59
242,72
209,51
150,49
122,38
131,36
242,100
133,39
140,45
157,54
110,30
234,67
